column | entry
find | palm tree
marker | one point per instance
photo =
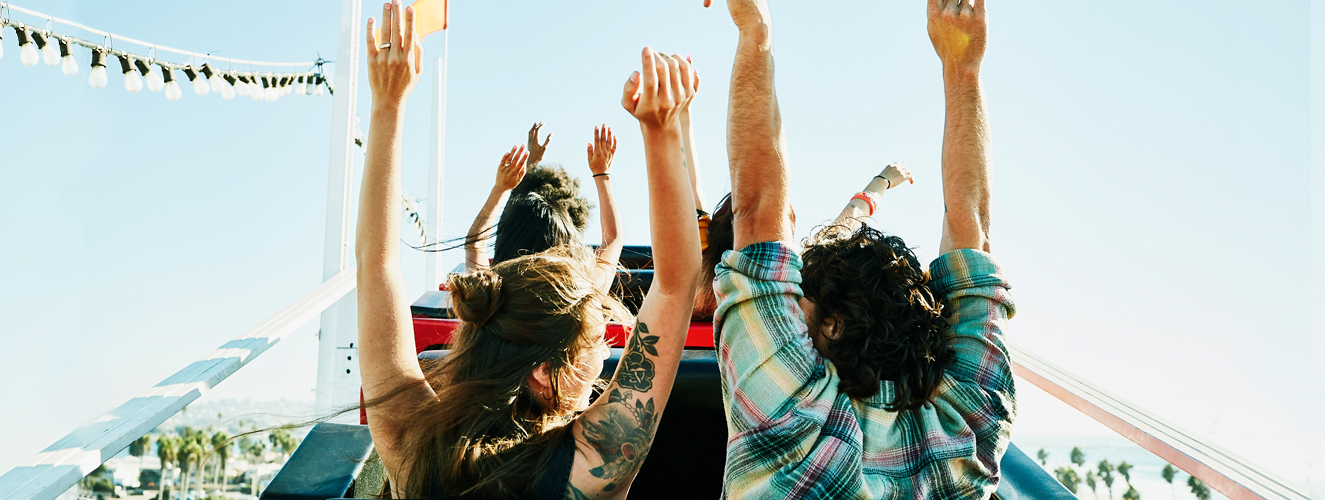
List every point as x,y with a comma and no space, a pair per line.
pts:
189,453
1168,473
1068,476
167,449
1125,469
1078,457
221,448
140,447
1042,455
1106,473
1198,488
1090,481
281,439
1131,493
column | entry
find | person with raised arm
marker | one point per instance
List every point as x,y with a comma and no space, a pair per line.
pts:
544,208
506,413
848,370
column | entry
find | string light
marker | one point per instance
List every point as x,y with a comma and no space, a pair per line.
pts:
200,86
214,80
153,79
67,63
48,51
26,52
317,88
299,87
132,82
98,77
228,87
256,91
172,87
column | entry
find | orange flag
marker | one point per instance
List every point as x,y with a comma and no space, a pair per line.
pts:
430,16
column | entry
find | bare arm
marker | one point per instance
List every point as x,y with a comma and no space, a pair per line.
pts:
509,173
761,210
615,433
957,29
601,151
386,339
692,163
892,176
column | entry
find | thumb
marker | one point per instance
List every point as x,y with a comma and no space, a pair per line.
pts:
630,94
547,140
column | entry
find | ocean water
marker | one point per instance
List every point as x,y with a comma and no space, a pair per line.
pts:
1145,474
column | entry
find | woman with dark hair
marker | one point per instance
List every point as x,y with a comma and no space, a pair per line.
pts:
506,414
544,209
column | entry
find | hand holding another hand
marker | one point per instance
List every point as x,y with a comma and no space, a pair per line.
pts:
601,150
657,95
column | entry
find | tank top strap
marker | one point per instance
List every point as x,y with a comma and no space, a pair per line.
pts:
553,484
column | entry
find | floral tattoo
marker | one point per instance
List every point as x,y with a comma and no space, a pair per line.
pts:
622,436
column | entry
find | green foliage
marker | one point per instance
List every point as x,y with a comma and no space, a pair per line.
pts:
100,485
1106,473
149,479
1169,472
1198,488
1131,493
283,441
1125,469
1068,476
140,446
1078,457
1090,480
1042,455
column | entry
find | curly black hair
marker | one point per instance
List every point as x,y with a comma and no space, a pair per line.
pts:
557,186
891,324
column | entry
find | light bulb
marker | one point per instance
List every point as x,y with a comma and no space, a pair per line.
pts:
98,77
228,87
285,89
172,87
256,91
154,80
299,87
200,86
49,53
317,87
268,90
67,63
213,80
241,88
27,51
132,82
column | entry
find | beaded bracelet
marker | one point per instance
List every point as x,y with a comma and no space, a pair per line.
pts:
868,199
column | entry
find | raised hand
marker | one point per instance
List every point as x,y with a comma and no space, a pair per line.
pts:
959,31
896,174
656,95
396,61
512,169
535,150
748,14
601,150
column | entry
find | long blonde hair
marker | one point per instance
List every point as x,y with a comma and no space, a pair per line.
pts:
487,434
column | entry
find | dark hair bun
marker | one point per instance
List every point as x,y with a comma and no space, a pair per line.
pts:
558,187
475,295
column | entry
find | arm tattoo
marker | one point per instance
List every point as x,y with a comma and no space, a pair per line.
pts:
622,437
573,493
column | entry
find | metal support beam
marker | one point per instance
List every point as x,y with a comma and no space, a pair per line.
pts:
433,273
59,467
337,365
1227,473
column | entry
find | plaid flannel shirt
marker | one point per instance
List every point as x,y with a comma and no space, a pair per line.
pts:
792,434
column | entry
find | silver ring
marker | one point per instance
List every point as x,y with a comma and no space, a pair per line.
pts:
384,46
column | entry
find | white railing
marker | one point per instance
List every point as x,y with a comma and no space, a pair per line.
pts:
61,465
1227,473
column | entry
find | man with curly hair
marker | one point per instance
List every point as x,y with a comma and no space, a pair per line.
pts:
850,371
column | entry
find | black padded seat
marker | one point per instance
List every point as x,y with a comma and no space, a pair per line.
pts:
324,466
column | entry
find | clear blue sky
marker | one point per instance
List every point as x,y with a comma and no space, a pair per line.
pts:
1152,187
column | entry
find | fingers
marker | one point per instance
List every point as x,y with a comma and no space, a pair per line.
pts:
372,39
662,66
649,73
418,54
407,36
686,74
521,157
680,82
397,26
630,94
386,24
978,6
614,141
547,140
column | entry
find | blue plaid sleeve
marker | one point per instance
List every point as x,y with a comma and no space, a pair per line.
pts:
978,308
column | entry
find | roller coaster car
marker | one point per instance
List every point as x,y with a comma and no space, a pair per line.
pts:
688,453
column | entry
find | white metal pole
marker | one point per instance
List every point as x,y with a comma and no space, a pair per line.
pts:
336,357
433,272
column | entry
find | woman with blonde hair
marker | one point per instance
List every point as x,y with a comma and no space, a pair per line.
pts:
506,414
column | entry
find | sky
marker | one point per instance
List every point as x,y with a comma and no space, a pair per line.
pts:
1156,187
